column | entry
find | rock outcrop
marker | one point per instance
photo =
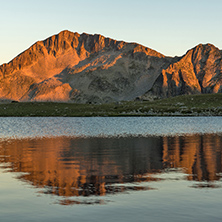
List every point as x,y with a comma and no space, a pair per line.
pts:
94,69
198,71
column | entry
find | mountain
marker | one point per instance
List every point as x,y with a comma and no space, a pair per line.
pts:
198,71
94,69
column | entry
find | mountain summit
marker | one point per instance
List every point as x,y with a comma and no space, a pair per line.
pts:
198,71
94,69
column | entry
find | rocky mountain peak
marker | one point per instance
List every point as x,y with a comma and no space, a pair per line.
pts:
198,71
92,68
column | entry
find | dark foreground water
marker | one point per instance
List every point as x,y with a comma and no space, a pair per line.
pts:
111,169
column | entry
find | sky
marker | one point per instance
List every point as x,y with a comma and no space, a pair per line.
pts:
171,27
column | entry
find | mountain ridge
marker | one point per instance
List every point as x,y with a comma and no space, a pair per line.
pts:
86,68
198,71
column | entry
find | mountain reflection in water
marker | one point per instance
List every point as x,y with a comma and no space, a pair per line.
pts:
68,166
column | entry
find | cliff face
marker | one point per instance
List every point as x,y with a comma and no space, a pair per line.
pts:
198,71
91,68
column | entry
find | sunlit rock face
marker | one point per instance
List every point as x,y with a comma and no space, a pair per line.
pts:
198,71
94,69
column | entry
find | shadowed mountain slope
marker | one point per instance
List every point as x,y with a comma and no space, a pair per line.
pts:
94,69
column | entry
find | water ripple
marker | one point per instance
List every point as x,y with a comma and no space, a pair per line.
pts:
30,127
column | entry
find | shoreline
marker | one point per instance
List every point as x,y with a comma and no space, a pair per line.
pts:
188,105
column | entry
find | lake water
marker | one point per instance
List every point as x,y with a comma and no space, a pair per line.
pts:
111,169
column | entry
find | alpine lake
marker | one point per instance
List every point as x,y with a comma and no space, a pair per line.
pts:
110,169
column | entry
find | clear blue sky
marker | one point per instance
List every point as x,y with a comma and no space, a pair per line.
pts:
168,26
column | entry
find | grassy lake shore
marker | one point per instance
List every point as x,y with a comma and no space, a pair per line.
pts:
186,105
